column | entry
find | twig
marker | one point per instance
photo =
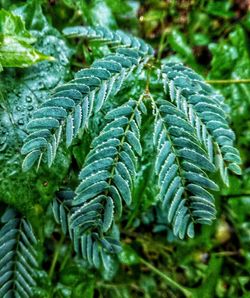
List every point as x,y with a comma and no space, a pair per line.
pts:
237,81
188,293
55,256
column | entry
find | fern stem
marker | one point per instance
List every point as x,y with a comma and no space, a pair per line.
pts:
55,256
116,159
16,249
225,82
141,189
163,42
178,162
65,259
187,292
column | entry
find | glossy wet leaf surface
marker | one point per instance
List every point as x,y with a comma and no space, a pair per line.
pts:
15,43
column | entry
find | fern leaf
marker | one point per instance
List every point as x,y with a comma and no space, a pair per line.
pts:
73,103
107,177
181,165
205,111
17,256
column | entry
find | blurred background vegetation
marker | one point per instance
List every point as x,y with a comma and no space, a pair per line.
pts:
211,37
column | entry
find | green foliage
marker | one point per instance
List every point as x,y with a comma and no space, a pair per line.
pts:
235,56
22,91
185,133
15,40
179,165
205,111
108,172
114,156
72,104
18,256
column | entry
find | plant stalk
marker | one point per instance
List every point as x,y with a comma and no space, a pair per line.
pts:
237,81
188,293
55,256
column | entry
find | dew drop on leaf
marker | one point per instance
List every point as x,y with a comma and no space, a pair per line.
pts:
20,122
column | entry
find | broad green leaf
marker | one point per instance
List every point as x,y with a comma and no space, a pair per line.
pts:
22,92
15,40
12,25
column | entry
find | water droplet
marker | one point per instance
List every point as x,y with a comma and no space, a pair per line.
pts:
40,85
28,99
19,108
30,108
20,122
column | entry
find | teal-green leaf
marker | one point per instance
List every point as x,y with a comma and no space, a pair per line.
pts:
97,72
69,130
124,110
175,203
30,160
117,201
92,179
37,143
190,230
108,214
90,192
197,159
123,187
162,156
95,255
53,112
102,164
201,180
63,102
39,123
123,171
134,142
101,153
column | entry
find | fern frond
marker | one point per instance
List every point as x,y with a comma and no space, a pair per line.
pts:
112,38
91,247
205,110
107,176
17,256
72,104
181,166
